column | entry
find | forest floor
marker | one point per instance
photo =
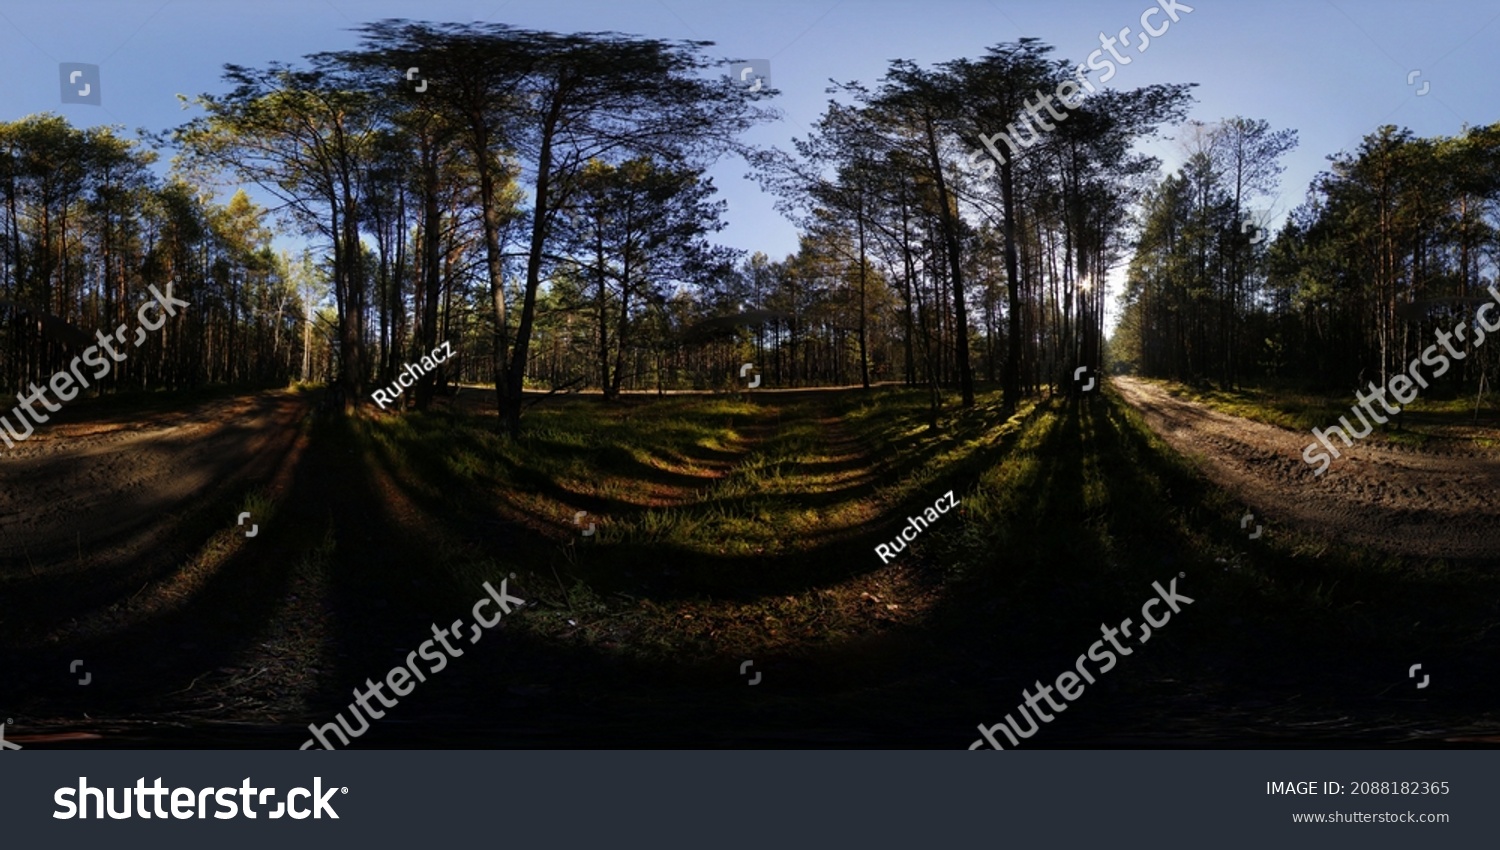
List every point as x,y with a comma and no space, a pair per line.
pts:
726,529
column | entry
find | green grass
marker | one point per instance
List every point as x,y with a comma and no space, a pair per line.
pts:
731,529
1427,418
737,527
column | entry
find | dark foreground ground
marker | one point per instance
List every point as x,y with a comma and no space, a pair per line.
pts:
728,530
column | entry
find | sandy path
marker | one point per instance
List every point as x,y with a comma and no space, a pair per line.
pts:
103,487
1407,501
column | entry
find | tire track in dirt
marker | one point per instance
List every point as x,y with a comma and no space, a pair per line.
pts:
1395,499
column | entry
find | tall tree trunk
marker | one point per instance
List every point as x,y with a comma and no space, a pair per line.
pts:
949,224
1011,390
540,219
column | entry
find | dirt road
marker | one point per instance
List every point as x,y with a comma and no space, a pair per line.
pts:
1414,502
104,487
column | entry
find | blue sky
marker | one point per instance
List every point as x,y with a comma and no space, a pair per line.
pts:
1332,71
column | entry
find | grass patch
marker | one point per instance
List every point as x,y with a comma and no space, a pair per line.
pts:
729,529
1429,417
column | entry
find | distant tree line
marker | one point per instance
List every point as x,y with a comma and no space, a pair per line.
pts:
486,164
551,190
944,248
1395,241
85,228
541,201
